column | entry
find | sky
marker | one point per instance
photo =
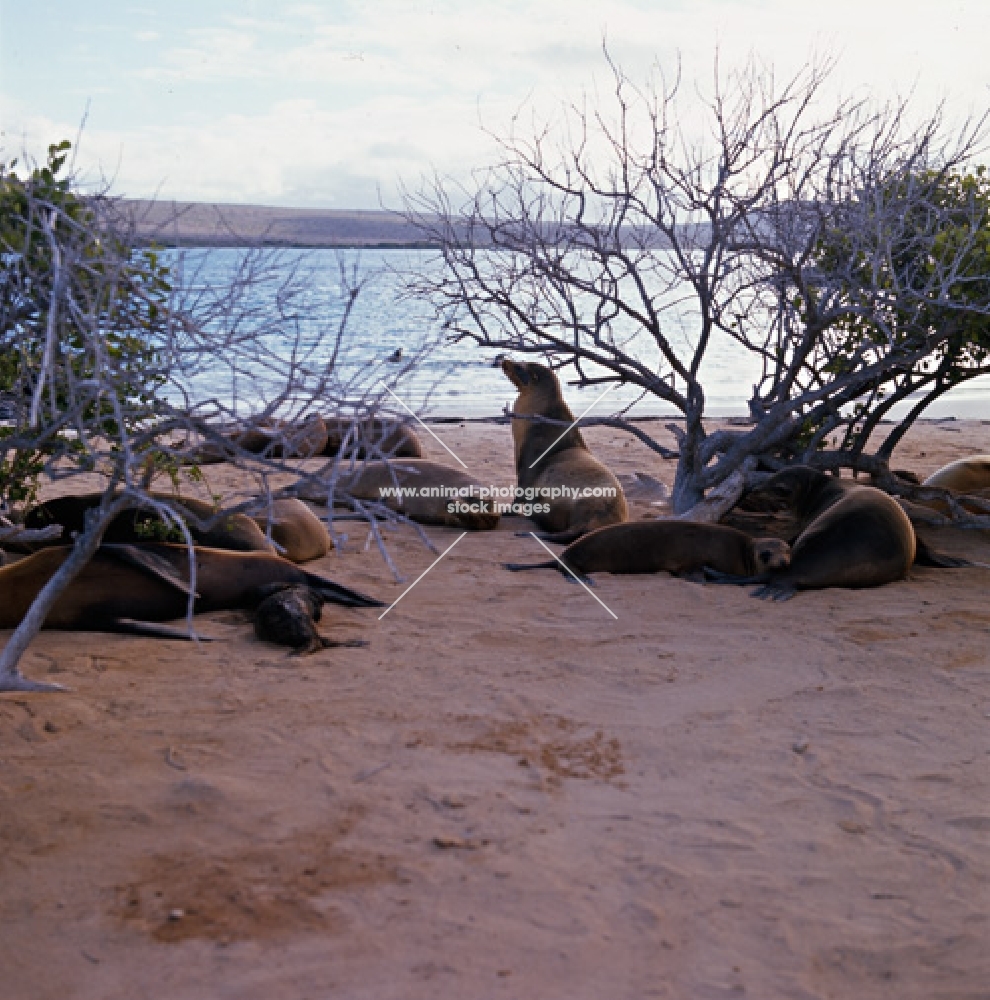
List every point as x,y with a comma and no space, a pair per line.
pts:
338,104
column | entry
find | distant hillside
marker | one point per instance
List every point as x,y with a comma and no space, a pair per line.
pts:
197,224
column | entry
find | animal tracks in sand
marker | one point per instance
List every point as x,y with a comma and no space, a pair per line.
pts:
560,747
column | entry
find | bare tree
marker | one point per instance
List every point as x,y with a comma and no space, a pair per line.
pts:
633,234
127,362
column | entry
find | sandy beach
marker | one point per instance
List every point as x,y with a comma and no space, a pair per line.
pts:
512,793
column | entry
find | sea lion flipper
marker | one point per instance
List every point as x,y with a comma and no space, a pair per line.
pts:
717,576
150,563
154,630
561,537
337,593
519,567
925,555
774,592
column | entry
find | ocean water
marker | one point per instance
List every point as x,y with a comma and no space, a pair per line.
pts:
454,379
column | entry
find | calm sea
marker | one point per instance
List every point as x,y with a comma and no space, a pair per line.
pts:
461,379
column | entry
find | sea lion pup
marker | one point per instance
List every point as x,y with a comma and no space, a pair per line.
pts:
138,525
851,536
680,547
296,531
372,438
444,495
549,456
150,583
288,618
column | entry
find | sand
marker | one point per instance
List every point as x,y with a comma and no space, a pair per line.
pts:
509,792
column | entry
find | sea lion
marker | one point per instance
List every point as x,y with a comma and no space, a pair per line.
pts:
963,476
549,457
373,438
667,545
136,525
284,439
288,618
851,535
444,495
150,583
967,478
297,532
306,438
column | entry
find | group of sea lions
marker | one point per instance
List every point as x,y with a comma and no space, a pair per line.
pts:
842,533
137,579
312,437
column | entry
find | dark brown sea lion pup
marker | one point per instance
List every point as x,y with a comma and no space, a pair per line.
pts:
851,535
288,618
296,531
679,547
543,462
150,583
233,531
437,505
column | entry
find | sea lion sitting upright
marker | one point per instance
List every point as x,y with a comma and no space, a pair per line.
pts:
297,532
851,536
549,457
683,548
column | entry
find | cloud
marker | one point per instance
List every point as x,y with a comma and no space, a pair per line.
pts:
332,101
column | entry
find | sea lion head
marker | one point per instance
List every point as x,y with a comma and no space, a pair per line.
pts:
771,553
528,375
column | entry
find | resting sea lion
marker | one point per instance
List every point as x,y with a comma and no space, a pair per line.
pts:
968,477
964,476
368,481
284,439
150,583
288,617
295,529
672,546
544,463
851,536
271,438
233,531
374,438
